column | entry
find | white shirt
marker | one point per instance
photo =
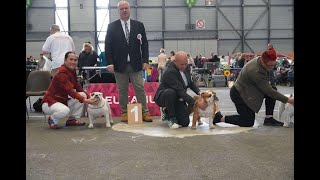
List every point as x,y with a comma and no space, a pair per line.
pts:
124,30
58,44
184,77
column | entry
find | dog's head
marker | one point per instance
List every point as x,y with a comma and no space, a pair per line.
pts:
209,96
96,95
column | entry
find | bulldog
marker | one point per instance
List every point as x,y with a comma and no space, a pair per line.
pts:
286,112
209,97
101,109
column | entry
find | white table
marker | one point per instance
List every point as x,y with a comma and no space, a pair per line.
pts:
87,70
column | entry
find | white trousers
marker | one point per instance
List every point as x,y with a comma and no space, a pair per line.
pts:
57,111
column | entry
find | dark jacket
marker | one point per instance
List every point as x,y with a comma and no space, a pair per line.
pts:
172,78
117,50
87,60
253,85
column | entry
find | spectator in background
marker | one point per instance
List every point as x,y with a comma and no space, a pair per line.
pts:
242,60
41,62
127,51
106,77
56,46
191,63
87,57
162,60
285,63
172,53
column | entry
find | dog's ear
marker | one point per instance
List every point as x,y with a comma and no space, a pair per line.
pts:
203,94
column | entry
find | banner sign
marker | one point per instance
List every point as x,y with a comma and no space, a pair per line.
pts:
110,93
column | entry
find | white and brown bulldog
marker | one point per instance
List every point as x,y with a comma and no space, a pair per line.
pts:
286,112
101,109
211,99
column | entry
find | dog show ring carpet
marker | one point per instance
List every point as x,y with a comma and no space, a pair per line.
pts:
157,129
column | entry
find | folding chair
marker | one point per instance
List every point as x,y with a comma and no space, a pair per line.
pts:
37,85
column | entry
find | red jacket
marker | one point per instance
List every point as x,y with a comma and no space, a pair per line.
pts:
64,83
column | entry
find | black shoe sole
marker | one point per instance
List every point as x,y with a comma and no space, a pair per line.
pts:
272,125
147,120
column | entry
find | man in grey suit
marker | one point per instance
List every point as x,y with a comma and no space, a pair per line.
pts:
126,49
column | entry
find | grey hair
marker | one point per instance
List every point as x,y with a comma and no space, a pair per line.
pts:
122,2
55,28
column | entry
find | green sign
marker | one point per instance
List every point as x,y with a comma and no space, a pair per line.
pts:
28,3
190,3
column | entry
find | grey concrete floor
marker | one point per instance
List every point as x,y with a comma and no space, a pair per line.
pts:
80,153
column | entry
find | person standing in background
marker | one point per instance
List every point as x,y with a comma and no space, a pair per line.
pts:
162,60
57,45
41,62
127,51
87,57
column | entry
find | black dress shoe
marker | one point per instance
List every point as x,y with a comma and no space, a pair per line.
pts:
217,117
272,122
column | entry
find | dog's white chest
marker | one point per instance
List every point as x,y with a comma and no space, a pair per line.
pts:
208,112
98,111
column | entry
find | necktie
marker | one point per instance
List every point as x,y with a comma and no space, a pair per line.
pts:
127,32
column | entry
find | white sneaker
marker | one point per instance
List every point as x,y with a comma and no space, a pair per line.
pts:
173,125
165,122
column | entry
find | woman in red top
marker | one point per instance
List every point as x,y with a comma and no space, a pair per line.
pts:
65,96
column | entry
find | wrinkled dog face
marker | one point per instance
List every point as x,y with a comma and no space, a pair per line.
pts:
96,95
209,95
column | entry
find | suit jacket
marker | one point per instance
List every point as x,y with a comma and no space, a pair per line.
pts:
172,79
253,85
117,50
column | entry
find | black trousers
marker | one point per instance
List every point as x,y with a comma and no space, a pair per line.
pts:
168,98
246,116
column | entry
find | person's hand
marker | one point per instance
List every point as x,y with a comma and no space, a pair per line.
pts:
91,101
110,68
203,105
145,66
291,100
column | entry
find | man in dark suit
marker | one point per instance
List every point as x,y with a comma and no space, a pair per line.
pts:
172,92
126,48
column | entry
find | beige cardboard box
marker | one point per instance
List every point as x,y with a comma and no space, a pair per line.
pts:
134,113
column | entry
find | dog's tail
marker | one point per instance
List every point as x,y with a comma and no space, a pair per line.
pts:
281,109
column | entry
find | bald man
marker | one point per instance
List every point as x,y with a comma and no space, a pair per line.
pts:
172,92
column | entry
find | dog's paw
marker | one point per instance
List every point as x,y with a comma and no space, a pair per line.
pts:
90,126
212,126
193,127
108,125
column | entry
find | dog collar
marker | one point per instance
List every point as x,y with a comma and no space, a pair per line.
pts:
97,107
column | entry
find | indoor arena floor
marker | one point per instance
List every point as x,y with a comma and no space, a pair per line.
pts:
154,151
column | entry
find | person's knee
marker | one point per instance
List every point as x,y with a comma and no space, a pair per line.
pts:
248,123
184,123
65,111
170,93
